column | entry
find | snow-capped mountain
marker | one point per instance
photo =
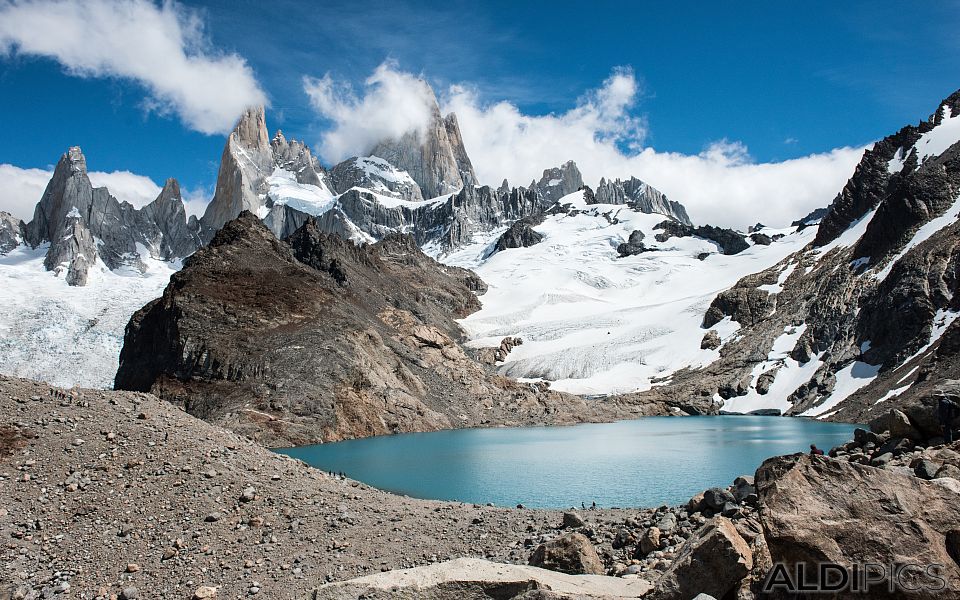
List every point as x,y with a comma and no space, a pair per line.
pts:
612,290
124,255
82,225
428,188
863,318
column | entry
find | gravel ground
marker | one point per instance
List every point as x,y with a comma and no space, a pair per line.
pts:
117,494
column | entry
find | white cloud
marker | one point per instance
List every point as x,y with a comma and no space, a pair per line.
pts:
722,185
138,190
195,200
393,103
162,47
21,189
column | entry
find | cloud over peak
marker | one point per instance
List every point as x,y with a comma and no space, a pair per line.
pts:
602,132
393,103
161,47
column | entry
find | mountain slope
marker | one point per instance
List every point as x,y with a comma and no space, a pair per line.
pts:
847,326
321,340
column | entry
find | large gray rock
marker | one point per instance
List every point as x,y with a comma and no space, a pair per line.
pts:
476,579
11,232
854,514
570,553
245,164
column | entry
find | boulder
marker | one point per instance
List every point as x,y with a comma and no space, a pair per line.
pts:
951,471
710,341
473,578
716,498
572,520
765,380
900,426
623,538
816,510
667,523
743,487
695,504
571,553
713,561
926,469
649,541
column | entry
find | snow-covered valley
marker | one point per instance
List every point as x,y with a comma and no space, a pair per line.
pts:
596,323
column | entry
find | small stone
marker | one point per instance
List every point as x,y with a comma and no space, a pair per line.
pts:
168,553
129,593
213,517
133,568
205,591
249,494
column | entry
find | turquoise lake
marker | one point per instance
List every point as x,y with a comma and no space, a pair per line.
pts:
640,463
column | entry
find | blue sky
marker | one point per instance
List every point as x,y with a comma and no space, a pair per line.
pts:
785,80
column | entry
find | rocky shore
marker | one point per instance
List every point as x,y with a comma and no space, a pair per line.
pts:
122,495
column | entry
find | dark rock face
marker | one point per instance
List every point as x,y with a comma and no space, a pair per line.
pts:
876,304
761,239
520,235
812,218
318,339
633,246
729,241
710,341
72,213
745,305
870,182
640,196
11,232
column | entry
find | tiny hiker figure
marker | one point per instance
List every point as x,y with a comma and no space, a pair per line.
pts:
814,451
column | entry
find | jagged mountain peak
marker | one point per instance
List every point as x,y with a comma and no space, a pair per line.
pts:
82,223
881,181
251,129
435,156
75,160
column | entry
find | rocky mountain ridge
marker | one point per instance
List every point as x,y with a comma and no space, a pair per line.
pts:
862,319
83,224
316,338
